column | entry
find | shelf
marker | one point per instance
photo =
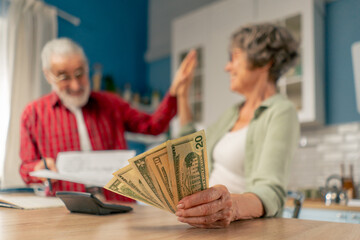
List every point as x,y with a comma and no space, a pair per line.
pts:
145,139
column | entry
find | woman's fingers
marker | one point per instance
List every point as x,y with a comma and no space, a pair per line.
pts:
203,197
189,60
206,209
184,73
219,219
211,208
188,65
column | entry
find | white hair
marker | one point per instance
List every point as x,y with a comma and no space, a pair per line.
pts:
72,102
62,47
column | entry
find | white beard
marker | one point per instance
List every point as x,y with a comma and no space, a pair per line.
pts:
71,101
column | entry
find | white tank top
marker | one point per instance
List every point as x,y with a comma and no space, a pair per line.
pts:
229,156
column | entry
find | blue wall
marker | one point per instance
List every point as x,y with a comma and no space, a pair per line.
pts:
159,75
342,29
113,33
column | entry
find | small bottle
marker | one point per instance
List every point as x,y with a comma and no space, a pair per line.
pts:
109,83
352,181
96,79
127,94
136,100
155,99
348,182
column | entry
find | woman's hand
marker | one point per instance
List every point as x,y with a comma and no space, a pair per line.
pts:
211,208
184,76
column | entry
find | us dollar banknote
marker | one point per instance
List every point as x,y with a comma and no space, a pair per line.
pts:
162,176
130,177
159,163
188,163
117,186
141,164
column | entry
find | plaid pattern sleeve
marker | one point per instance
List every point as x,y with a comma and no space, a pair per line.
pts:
154,124
47,128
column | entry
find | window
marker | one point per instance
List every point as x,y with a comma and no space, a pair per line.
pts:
4,89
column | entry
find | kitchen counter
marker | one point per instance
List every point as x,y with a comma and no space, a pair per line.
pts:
320,204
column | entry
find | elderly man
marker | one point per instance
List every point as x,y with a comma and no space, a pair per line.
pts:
73,118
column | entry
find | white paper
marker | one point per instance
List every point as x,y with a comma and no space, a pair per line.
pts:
29,202
93,168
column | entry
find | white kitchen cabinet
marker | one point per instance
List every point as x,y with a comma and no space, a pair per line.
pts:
210,28
303,84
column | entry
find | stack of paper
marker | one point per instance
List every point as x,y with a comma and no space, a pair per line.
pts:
90,168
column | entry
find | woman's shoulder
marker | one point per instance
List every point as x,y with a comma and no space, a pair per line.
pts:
282,103
282,111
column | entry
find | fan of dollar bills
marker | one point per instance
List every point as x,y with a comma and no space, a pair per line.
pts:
162,176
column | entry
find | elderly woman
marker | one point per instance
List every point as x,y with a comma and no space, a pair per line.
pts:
251,145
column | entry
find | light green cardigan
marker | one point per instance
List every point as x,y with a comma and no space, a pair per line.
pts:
270,145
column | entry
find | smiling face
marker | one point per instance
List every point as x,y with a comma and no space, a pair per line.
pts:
68,76
243,77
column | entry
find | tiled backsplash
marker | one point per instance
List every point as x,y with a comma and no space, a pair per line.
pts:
320,153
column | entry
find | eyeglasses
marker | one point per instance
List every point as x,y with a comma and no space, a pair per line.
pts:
232,53
64,78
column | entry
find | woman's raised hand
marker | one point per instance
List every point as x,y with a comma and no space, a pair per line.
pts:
184,75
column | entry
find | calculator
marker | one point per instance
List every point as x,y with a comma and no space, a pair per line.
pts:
80,202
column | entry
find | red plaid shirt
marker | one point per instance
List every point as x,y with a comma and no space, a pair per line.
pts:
48,127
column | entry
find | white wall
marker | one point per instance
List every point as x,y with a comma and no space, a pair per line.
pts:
161,14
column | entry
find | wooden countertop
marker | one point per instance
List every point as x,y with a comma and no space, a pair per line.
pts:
319,204
146,222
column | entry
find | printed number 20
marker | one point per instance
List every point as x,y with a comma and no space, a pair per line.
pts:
199,143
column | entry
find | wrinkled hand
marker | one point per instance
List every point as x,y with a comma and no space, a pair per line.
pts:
50,162
211,208
184,75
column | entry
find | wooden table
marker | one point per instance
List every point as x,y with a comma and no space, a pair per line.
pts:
150,223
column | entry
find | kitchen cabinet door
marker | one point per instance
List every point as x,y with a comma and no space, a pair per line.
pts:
303,84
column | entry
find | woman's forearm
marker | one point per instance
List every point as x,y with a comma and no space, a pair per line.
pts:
246,206
184,111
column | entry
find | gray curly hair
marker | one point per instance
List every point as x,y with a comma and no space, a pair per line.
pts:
264,43
60,46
